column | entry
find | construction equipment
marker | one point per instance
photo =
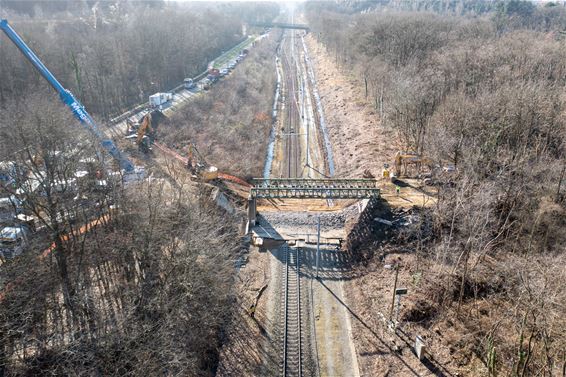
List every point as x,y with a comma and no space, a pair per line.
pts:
145,134
404,159
145,130
69,99
198,166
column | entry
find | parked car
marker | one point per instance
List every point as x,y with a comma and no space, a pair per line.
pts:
9,208
7,172
188,83
14,240
204,84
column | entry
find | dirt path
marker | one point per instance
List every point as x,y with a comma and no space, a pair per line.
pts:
335,350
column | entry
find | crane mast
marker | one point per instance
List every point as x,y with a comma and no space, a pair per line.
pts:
68,98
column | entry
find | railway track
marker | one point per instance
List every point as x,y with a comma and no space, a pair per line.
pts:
292,337
292,166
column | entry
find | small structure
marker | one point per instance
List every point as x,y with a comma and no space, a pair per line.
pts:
420,347
159,99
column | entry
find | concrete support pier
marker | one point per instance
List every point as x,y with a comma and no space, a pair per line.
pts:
252,212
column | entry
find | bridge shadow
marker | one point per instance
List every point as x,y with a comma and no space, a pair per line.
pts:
403,183
337,264
333,264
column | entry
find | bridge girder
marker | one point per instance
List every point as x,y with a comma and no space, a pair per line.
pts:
289,188
280,25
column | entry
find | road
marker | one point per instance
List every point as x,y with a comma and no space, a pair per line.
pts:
118,125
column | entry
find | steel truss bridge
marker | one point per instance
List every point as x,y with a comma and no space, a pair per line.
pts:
280,25
299,188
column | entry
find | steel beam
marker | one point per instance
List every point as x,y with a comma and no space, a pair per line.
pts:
300,188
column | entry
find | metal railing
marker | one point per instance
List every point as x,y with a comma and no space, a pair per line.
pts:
292,326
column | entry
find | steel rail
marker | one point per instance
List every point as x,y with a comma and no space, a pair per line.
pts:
292,336
291,145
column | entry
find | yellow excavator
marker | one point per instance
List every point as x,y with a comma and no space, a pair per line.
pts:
198,166
143,132
405,159
146,134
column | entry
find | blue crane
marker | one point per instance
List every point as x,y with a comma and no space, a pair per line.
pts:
68,98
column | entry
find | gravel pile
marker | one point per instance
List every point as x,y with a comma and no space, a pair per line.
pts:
328,220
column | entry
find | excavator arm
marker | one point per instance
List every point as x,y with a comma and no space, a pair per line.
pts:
145,128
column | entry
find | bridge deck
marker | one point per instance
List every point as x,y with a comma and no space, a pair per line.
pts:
291,188
280,25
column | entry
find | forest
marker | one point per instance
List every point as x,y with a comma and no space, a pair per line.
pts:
138,280
123,280
113,55
483,93
230,125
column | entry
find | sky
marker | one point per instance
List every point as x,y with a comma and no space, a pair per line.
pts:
278,1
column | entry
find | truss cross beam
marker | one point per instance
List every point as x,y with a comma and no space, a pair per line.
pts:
298,188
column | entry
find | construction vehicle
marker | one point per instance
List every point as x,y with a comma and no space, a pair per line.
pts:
79,111
145,134
404,159
198,166
434,174
145,130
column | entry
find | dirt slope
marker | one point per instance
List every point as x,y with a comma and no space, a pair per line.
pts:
359,141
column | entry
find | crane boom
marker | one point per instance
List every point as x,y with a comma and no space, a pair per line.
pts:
68,98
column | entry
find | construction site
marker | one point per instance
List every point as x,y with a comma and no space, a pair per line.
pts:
281,189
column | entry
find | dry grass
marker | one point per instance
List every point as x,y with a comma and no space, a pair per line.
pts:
230,123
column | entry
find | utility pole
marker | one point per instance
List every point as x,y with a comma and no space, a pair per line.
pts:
317,245
396,267
398,292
